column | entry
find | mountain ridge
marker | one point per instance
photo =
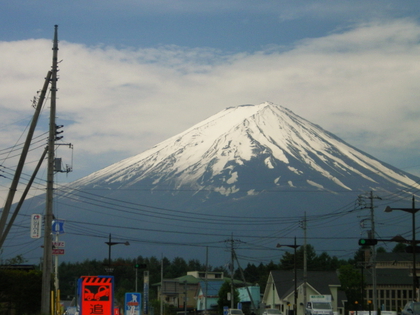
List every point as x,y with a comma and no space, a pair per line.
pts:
249,170
201,151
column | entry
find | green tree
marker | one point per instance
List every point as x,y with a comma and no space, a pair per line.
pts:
18,260
381,249
314,261
223,297
177,268
194,264
399,248
251,274
352,284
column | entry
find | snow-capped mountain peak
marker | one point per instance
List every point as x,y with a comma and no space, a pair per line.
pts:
218,153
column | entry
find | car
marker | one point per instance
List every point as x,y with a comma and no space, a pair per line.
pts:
235,311
103,291
411,308
88,296
271,311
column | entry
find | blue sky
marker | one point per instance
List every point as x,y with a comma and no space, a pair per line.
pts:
134,73
231,26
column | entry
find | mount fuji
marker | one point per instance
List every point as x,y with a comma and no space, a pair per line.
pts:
253,172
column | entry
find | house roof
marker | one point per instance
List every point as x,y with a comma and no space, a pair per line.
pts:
187,278
193,280
396,257
319,280
390,277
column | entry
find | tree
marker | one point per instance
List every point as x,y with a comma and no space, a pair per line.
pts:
251,274
177,268
381,249
18,260
194,264
352,284
223,296
399,248
314,261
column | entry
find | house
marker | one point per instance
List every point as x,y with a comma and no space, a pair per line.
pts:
179,292
196,291
280,290
208,294
250,295
394,280
184,292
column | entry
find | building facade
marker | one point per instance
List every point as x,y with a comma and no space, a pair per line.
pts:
281,286
394,280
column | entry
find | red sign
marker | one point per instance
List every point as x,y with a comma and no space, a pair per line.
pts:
58,251
97,295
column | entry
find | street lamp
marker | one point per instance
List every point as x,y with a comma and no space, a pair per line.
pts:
413,211
109,269
294,246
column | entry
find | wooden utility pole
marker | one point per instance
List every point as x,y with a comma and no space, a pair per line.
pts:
47,260
232,284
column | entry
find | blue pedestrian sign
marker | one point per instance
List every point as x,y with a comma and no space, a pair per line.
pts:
132,303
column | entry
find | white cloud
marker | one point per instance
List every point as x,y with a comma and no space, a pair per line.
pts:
360,84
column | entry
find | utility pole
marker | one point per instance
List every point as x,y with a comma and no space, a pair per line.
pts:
19,168
232,288
294,246
305,263
47,264
161,285
371,235
206,278
372,218
253,306
232,257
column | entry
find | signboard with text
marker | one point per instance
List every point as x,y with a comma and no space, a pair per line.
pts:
58,251
36,223
96,295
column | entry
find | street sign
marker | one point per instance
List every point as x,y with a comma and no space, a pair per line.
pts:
36,223
58,226
57,244
132,303
96,295
58,251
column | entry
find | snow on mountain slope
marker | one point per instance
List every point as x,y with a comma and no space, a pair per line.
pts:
210,155
252,171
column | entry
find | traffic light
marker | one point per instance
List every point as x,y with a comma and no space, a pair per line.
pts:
368,241
140,266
